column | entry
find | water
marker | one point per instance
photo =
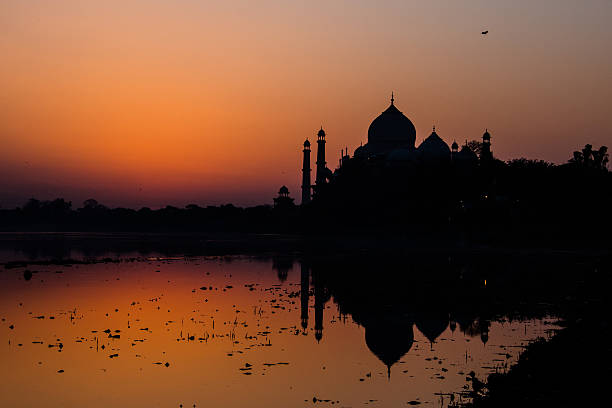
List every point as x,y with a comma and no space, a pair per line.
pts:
235,332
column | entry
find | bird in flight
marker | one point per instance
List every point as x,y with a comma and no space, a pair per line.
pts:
485,32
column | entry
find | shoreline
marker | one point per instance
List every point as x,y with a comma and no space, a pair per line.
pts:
572,368
99,243
565,370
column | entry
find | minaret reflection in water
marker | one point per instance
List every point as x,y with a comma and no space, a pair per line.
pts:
304,294
321,296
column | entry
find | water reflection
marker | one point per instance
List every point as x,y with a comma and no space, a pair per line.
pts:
304,294
282,265
431,297
214,331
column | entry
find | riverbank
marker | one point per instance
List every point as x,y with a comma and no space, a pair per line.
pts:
572,368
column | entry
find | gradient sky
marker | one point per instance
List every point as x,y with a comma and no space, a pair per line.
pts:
153,102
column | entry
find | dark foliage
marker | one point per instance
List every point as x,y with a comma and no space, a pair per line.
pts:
515,203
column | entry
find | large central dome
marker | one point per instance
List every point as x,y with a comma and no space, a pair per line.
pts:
392,130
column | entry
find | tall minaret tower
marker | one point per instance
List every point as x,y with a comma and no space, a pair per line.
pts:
321,164
485,153
306,193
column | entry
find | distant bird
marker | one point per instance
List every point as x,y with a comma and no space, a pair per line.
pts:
485,32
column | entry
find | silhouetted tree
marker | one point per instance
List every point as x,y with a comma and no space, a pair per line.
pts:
92,204
475,146
529,164
59,206
32,205
589,158
600,158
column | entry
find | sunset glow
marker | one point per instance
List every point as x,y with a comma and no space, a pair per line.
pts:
148,103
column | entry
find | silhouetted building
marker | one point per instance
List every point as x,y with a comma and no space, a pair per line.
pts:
344,156
454,150
434,149
391,156
321,163
465,155
283,200
391,130
392,141
306,187
485,152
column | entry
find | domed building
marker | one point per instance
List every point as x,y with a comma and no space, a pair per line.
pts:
391,130
392,136
434,148
283,201
466,155
402,157
392,144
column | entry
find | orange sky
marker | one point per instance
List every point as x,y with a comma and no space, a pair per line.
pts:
155,102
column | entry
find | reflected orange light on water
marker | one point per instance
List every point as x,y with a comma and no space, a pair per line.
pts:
238,342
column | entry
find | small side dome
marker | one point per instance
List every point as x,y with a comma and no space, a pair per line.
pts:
434,147
306,143
466,154
360,151
283,191
454,146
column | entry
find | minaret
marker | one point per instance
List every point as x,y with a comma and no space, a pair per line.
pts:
321,163
306,193
486,153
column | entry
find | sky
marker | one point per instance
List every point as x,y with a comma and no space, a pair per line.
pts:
155,102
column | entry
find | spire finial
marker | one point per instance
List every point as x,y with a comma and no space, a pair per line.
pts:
434,128
392,98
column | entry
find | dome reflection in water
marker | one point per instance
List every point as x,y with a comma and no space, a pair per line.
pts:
278,332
